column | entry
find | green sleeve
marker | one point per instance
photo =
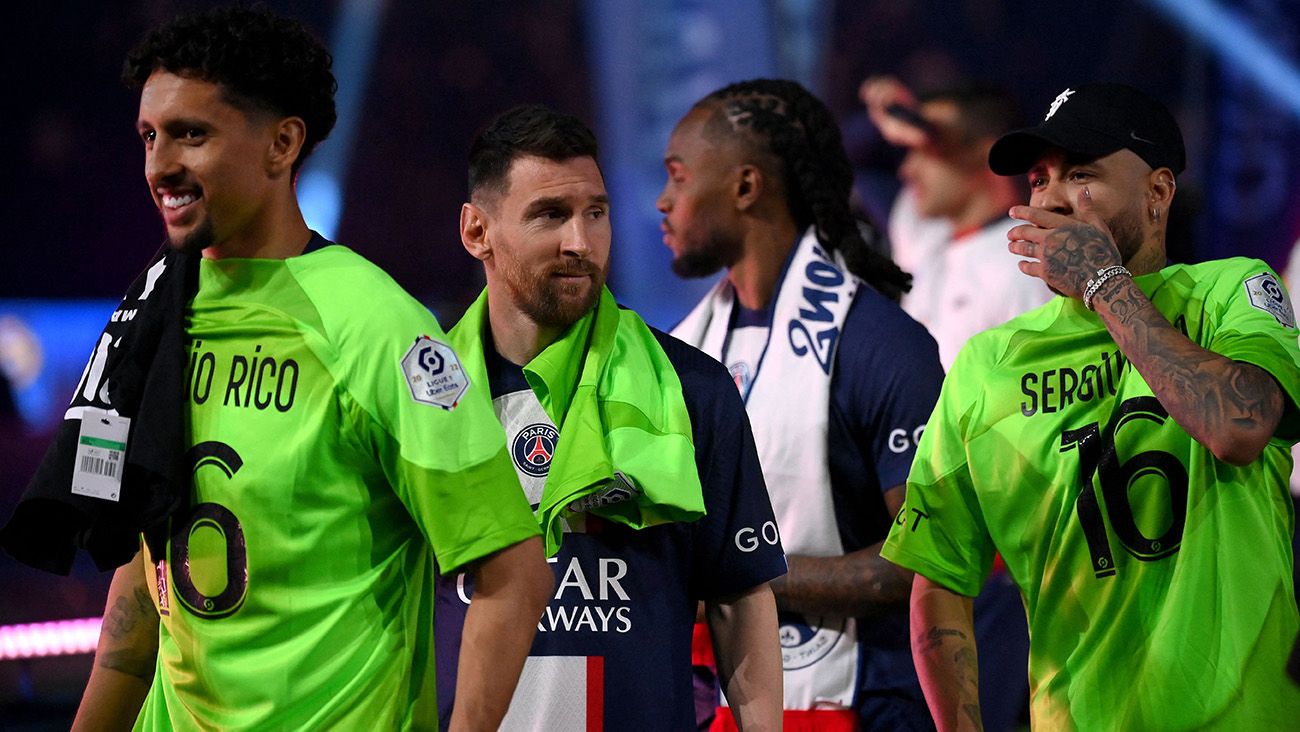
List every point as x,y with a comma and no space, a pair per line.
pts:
469,513
940,531
1256,325
449,466
447,462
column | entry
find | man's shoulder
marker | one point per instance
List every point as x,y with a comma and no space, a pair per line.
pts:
871,309
877,325
710,394
340,273
347,288
999,344
1214,270
362,320
699,372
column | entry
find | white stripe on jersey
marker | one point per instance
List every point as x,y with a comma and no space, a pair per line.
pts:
552,695
518,411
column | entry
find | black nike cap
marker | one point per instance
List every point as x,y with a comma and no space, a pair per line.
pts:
1095,120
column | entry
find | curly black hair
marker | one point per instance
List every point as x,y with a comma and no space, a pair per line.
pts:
261,61
783,123
528,129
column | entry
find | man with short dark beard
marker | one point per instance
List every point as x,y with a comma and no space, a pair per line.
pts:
312,451
1123,447
837,381
632,448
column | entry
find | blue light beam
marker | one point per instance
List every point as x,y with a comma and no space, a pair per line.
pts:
1237,43
321,183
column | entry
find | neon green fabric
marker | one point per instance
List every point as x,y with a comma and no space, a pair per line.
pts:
618,403
1157,580
300,594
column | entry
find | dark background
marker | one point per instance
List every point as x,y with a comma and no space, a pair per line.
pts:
77,223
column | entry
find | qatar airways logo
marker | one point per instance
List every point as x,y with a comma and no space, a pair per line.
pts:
589,597
577,591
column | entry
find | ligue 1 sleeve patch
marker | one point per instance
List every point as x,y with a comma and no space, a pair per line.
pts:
1266,294
434,374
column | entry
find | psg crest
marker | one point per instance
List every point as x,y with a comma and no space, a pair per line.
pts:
533,449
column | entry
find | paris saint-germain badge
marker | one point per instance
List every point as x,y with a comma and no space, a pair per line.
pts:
533,449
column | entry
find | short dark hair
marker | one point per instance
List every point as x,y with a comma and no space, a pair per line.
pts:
983,110
261,61
530,129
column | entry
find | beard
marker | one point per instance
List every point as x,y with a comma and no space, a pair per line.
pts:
1126,229
549,302
202,237
717,250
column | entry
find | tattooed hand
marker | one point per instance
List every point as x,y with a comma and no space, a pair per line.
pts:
1069,251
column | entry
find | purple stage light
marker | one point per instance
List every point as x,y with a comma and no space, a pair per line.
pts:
54,638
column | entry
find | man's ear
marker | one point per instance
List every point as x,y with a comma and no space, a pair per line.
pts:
286,144
749,184
473,231
1160,191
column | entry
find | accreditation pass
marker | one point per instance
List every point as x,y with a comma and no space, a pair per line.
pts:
101,454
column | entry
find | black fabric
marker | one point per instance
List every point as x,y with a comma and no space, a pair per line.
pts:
142,378
1095,120
1293,663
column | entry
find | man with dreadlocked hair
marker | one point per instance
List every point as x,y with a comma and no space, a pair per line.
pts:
837,382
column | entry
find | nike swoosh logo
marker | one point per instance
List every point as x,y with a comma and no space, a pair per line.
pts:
1140,139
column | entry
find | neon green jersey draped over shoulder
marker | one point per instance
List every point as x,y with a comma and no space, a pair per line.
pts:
1157,579
338,449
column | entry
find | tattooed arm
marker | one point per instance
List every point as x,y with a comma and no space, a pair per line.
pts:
857,584
125,658
1232,408
943,649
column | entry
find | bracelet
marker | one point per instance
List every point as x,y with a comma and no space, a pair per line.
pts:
1103,274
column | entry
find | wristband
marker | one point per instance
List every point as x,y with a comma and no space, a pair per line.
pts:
1094,284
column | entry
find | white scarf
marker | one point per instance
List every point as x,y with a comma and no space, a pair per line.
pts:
789,406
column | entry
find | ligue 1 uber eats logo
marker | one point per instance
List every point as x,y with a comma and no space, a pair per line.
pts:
434,373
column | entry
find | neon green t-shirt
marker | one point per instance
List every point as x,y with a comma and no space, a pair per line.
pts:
1156,579
327,465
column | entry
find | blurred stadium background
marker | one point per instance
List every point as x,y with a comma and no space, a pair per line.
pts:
417,78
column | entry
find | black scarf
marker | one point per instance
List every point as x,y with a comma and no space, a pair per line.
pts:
143,379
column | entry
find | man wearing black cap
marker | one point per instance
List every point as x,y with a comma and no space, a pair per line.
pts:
1125,448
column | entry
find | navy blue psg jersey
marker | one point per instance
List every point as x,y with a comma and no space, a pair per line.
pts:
613,648
884,386
886,382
